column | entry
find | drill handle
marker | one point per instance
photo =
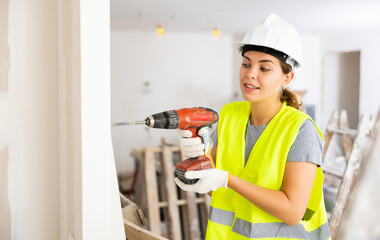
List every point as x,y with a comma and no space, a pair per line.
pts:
194,131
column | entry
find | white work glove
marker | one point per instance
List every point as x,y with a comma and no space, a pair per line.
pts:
193,146
209,180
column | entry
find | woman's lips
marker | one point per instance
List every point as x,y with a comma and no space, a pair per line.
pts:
250,87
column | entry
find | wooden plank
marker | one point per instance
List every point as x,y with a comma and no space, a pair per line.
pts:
349,132
182,202
352,165
184,214
192,216
331,174
183,208
203,215
174,148
332,124
137,154
347,143
134,232
132,212
162,195
140,188
171,194
152,192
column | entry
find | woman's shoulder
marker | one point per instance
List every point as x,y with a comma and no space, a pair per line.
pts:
308,145
236,109
308,127
236,105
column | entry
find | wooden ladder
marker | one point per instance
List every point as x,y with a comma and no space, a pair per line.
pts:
353,142
365,197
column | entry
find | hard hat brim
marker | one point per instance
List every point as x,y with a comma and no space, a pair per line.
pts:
271,51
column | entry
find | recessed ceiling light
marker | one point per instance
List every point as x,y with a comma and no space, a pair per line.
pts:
216,33
160,31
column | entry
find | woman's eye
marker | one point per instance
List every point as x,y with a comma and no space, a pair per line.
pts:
265,69
245,65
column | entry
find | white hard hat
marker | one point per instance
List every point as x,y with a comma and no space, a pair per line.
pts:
273,33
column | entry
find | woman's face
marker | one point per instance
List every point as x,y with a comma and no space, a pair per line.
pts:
261,77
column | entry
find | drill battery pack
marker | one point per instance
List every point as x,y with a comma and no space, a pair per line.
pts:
192,164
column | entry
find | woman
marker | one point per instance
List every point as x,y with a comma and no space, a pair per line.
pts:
267,180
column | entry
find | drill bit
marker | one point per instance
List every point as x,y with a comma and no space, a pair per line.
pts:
118,124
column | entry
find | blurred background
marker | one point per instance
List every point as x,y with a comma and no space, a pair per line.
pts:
194,63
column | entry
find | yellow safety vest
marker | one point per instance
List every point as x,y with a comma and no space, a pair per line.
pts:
234,217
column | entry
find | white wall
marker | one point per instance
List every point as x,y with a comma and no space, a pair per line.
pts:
70,136
182,69
33,120
367,43
101,207
5,212
308,76
55,123
237,58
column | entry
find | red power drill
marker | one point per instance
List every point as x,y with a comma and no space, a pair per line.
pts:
191,119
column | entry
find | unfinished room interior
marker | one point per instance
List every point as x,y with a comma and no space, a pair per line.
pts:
143,119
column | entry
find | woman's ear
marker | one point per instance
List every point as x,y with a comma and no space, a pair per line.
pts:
288,78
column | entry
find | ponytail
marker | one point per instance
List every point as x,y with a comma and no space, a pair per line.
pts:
290,97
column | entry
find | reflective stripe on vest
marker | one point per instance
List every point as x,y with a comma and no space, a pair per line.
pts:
221,216
266,230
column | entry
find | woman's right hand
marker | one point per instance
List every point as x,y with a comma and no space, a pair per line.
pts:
192,147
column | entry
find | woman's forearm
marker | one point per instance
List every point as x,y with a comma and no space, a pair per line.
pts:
289,203
276,203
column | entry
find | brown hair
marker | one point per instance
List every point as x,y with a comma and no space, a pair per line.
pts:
286,95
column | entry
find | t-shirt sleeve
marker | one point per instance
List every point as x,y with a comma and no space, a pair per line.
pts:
214,136
308,145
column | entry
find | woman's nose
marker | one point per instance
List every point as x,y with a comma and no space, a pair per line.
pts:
252,73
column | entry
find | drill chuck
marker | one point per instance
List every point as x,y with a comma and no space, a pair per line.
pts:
167,120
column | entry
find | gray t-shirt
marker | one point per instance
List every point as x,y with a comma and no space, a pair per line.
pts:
307,147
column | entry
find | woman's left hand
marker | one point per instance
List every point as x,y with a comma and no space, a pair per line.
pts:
209,180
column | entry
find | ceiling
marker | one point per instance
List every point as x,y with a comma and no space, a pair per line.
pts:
237,16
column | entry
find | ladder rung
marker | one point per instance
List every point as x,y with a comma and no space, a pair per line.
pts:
347,131
180,202
332,174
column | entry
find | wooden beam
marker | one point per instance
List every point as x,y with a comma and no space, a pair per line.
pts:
134,232
192,216
152,192
171,194
332,124
347,142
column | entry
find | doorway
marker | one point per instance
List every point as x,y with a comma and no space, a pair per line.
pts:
340,91
341,86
